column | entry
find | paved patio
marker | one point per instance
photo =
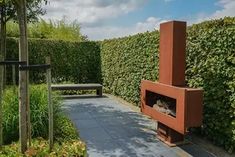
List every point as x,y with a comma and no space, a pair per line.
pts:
112,129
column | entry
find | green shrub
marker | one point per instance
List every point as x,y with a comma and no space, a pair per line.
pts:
39,115
211,65
126,61
40,148
65,130
71,61
67,142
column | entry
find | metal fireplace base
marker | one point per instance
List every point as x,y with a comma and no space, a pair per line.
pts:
169,136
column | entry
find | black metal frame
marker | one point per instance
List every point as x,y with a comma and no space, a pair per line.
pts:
34,67
24,67
13,63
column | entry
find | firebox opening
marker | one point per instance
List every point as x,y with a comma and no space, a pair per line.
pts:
161,103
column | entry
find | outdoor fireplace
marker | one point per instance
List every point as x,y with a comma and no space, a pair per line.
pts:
175,106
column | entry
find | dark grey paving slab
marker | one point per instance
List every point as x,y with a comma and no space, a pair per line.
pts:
112,129
86,124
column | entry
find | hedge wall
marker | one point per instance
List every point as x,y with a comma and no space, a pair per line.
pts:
71,61
126,61
120,64
210,65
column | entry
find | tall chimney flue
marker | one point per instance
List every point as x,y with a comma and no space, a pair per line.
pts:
172,53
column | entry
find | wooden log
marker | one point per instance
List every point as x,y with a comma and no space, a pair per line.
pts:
50,106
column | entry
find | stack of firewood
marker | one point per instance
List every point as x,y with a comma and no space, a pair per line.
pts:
165,107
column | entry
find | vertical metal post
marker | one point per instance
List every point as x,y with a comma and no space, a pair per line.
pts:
50,105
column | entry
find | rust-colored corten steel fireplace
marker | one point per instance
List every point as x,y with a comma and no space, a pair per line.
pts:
175,106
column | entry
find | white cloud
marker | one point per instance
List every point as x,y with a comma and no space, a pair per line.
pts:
149,24
90,12
106,32
227,9
93,14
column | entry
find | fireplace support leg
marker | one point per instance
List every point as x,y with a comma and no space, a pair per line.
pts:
169,136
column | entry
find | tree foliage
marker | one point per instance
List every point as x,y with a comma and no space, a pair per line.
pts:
58,30
34,8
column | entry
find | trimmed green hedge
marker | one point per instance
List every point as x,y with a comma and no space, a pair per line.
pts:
122,63
126,61
210,65
71,61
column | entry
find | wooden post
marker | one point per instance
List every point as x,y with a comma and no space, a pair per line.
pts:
28,111
1,96
3,39
1,77
14,78
23,78
14,75
50,105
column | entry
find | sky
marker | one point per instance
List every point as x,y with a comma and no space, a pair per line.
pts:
105,19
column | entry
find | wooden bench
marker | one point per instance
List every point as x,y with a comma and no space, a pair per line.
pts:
97,87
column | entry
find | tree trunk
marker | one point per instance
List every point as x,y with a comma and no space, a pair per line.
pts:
1,71
23,78
50,106
3,47
3,40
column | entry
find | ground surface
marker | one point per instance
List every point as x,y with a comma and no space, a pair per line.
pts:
111,128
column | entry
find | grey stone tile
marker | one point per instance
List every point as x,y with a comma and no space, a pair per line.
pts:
135,147
102,114
79,116
86,124
94,136
170,153
119,132
112,129
193,150
116,120
105,148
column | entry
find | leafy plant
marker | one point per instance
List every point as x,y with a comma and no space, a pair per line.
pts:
67,142
71,61
39,148
39,112
57,30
